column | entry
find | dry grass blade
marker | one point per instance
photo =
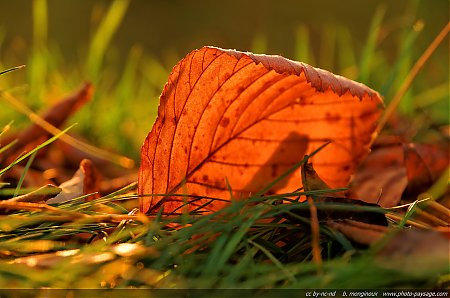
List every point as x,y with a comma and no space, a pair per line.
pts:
414,223
430,217
14,205
38,195
22,108
439,207
411,75
311,181
315,235
12,69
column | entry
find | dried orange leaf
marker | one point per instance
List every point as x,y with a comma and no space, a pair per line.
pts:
244,118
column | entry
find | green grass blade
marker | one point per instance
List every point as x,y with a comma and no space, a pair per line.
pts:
368,52
259,44
38,63
24,173
40,17
431,96
302,46
7,146
126,89
103,36
236,238
273,259
327,48
441,185
402,64
408,214
39,147
212,266
346,53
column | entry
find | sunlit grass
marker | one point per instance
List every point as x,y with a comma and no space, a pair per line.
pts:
256,243
237,247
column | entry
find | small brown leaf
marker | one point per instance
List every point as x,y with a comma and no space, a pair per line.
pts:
85,181
311,180
381,178
32,179
424,163
231,116
391,169
416,250
416,242
359,232
56,116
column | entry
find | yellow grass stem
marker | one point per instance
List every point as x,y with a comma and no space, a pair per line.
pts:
433,219
103,154
439,208
411,76
315,235
413,223
12,69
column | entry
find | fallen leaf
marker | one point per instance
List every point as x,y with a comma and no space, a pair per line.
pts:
415,242
56,116
424,163
32,179
359,232
85,181
312,181
244,118
416,250
381,178
398,170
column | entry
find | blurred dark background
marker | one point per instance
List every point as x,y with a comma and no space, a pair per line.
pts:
162,26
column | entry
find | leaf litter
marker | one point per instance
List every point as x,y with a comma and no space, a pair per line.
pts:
183,160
